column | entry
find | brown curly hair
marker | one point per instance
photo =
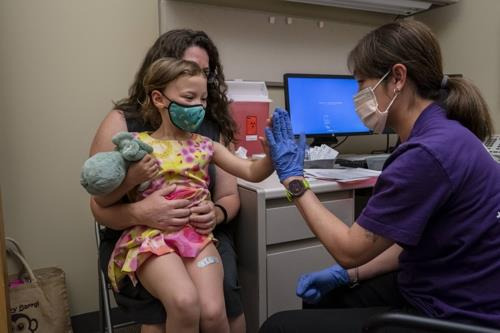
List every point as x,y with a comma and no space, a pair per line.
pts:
173,44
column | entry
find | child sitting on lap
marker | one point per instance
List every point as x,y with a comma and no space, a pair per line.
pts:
183,268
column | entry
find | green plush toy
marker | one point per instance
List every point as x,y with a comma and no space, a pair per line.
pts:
105,171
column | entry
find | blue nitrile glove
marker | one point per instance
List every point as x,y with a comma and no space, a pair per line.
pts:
313,286
287,155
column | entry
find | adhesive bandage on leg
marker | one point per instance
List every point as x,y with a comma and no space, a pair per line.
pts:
207,261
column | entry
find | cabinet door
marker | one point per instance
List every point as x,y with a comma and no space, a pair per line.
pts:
284,266
285,224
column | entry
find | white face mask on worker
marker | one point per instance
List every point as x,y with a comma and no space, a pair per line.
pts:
367,109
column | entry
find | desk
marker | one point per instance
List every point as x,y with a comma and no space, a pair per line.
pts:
275,245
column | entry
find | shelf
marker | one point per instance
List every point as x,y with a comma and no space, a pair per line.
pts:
281,7
394,7
335,10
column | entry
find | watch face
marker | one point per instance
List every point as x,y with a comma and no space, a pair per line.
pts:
296,187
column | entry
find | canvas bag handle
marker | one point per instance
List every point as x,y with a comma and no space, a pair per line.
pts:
15,250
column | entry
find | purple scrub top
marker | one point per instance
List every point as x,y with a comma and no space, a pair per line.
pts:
438,197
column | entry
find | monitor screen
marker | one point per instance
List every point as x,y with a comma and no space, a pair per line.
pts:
322,105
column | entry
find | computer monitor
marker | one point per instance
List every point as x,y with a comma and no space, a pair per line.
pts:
322,107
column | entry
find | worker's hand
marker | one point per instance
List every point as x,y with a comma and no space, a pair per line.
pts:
287,155
313,286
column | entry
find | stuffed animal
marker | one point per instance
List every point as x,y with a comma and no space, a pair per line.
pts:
104,172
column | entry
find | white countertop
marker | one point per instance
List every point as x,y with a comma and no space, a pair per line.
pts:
272,188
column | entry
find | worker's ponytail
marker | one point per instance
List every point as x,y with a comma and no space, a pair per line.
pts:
465,104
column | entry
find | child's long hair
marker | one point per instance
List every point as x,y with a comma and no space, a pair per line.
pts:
158,76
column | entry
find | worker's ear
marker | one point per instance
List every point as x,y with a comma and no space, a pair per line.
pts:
398,76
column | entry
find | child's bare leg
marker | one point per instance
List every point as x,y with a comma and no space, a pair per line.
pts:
166,278
207,273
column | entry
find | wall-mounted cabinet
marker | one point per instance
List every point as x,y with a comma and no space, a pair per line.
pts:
369,11
395,7
303,10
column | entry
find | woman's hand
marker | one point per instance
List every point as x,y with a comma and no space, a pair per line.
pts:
287,155
202,217
157,212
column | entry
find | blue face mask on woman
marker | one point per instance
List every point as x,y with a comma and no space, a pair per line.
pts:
185,117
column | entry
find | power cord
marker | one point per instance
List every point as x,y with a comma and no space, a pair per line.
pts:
341,142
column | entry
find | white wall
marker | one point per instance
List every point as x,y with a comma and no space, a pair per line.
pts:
253,49
62,63
468,32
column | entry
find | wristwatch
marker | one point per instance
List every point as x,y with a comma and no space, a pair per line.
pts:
296,188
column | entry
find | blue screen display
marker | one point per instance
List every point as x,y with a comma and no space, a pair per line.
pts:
322,105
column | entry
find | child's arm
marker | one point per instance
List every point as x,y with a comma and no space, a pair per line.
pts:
138,172
251,170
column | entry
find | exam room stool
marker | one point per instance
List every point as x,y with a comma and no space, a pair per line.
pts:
382,321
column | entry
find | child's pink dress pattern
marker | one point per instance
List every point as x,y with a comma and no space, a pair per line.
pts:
184,163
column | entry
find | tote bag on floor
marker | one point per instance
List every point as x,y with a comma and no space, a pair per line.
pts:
38,298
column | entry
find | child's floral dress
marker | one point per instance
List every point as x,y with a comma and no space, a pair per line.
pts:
185,164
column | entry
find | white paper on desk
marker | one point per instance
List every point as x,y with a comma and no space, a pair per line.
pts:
345,174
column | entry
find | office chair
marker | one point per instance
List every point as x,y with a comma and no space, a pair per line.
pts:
105,323
382,321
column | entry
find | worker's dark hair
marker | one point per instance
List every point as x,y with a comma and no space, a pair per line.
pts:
413,44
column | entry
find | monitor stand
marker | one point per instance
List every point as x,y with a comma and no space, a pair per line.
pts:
327,140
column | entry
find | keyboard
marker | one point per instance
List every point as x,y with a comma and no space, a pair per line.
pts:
367,161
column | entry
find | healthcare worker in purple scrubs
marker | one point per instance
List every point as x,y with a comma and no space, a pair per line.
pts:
428,240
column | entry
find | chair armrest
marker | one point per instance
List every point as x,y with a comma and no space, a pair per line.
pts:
402,320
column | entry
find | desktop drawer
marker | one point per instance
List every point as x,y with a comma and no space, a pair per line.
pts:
285,264
284,224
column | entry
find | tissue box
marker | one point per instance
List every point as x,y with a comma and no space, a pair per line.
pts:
319,164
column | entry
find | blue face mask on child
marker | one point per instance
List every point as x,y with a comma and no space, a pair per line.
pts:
185,117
